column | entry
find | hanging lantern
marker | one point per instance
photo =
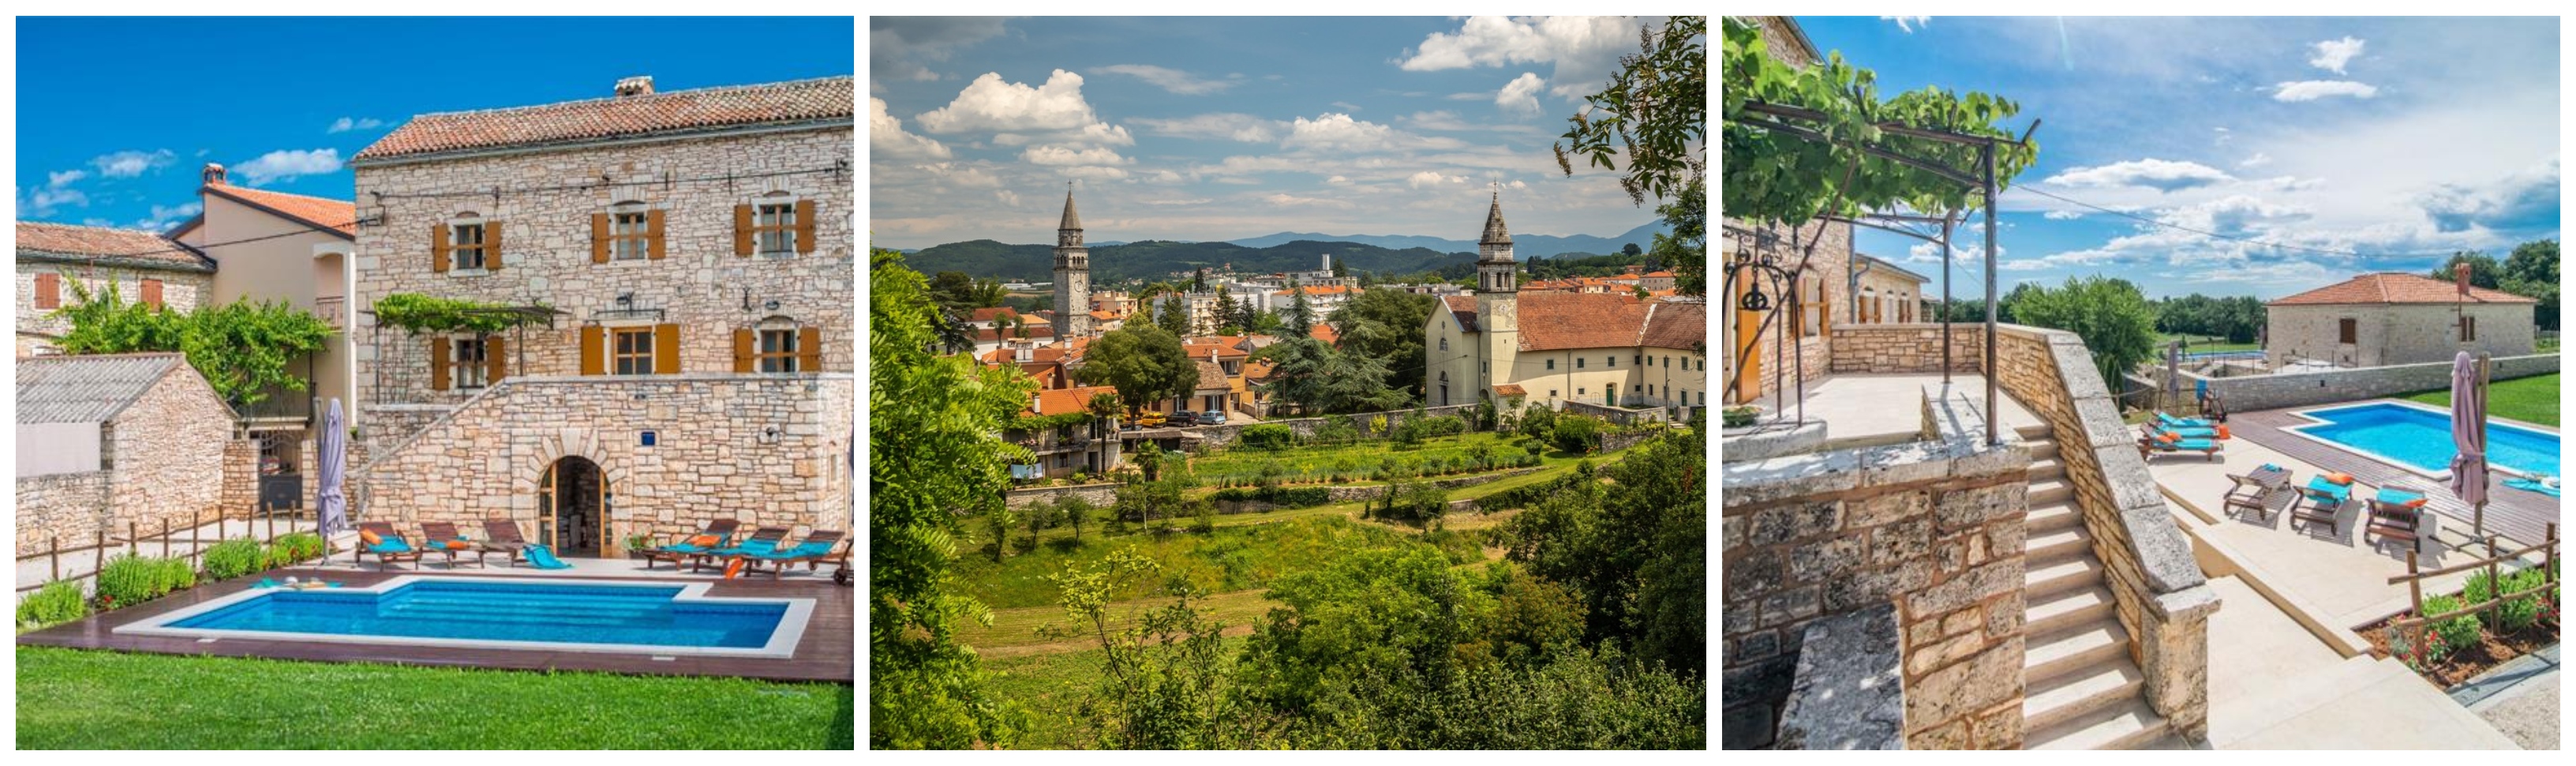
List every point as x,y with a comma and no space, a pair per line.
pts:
1753,299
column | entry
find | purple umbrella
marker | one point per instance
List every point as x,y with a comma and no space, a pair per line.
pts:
331,506
2469,435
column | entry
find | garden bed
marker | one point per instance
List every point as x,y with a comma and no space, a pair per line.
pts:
2458,667
2477,643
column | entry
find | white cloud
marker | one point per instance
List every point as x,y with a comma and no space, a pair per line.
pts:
1056,108
346,124
2062,215
60,179
2525,198
2311,90
1061,154
961,175
287,164
130,163
1585,49
1334,130
1906,23
1173,80
888,140
1338,180
1231,126
898,44
2333,54
2223,135
1432,178
1287,200
2258,160
2163,175
1092,172
1007,197
164,217
43,202
1520,96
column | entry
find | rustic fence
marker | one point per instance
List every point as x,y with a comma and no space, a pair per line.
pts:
266,524
2413,627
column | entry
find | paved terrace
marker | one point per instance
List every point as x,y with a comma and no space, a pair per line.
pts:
1872,409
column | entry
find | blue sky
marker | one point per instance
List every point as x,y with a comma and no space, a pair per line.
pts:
2390,138
116,115
1223,128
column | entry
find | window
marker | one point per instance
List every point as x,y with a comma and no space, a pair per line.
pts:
49,291
152,293
778,350
2468,329
774,225
1444,343
1484,366
1578,363
1551,393
470,363
1551,364
1612,360
632,351
1668,362
2348,331
630,233
465,246
1637,359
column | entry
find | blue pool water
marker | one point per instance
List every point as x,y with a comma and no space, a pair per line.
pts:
2422,438
588,614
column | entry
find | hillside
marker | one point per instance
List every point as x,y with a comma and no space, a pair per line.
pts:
1523,245
1154,259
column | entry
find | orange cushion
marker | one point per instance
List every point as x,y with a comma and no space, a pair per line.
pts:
2222,430
2339,478
703,540
371,537
2417,502
458,545
2168,437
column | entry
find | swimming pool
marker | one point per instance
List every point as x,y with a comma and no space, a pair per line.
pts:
2419,438
503,613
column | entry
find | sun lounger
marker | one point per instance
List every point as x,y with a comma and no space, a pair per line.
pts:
2169,421
2396,513
2193,432
717,534
388,546
2323,499
2152,442
442,537
811,552
503,537
763,540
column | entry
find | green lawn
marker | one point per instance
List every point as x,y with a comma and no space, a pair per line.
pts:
2530,400
70,698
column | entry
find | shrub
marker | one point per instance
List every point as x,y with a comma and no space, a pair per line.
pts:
1336,430
2519,613
131,579
1269,436
58,602
1024,544
2456,633
233,558
294,548
1577,434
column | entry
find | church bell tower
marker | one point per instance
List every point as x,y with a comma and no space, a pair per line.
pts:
1072,274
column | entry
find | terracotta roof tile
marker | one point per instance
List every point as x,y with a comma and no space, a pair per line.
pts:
1326,333
2396,288
141,248
680,111
1212,377
1510,389
1067,400
1463,309
322,213
1551,321
1674,324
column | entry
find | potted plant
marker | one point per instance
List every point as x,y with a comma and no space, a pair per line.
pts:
637,543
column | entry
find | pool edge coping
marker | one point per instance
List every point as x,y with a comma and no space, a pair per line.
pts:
782,643
2441,475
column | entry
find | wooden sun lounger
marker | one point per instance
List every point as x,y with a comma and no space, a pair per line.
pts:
2148,445
2253,492
812,551
2320,501
2393,521
763,539
385,531
435,538
682,551
502,536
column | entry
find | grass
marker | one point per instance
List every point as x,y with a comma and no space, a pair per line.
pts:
1019,626
1231,558
2530,400
1352,462
71,698
1052,686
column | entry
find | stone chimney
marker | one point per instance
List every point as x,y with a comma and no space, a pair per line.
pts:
1033,403
1025,354
640,85
214,174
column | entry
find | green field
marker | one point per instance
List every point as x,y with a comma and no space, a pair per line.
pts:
1350,464
2530,400
71,698
1052,686
1231,558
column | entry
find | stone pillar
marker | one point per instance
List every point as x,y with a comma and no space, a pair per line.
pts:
2174,653
240,493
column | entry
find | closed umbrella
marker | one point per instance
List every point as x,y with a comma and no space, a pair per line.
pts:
331,505
2469,435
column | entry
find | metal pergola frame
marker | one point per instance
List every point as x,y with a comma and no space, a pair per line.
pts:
1984,180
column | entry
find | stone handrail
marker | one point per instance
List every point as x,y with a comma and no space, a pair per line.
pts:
2161,596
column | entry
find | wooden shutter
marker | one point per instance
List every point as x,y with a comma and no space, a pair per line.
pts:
666,349
743,241
438,364
745,356
809,349
439,248
598,239
152,293
653,234
49,290
495,360
804,226
593,348
492,245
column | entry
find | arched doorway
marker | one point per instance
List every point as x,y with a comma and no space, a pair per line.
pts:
572,507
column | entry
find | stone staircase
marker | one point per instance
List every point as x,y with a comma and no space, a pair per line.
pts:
2081,689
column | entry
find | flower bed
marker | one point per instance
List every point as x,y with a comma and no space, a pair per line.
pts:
2453,651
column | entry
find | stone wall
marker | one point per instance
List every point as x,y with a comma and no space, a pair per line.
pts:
2159,592
2247,393
180,291
166,452
1620,415
715,453
1916,347
1850,690
2398,334
1934,527
1101,494
64,506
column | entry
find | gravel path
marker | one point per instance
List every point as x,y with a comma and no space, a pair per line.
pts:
2528,712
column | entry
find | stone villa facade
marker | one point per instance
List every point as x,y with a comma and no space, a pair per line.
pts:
693,250
57,262
2377,320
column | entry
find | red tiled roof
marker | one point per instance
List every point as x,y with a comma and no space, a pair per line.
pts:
1322,290
1035,330
321,213
1067,400
1103,316
678,111
1326,333
2396,288
1463,309
1212,377
1005,355
1551,321
1510,389
143,248
1671,324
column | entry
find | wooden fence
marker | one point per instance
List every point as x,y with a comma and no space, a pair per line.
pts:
263,525
2413,627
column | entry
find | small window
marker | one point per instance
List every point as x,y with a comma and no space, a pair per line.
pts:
465,246
1484,366
2468,329
152,293
778,350
630,234
1612,360
1637,359
774,226
1551,364
1444,344
2348,331
632,351
1551,393
470,362
1578,363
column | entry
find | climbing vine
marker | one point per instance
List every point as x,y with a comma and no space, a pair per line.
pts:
244,349
416,314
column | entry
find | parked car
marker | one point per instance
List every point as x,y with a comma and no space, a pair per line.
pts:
1212,418
1150,419
1185,418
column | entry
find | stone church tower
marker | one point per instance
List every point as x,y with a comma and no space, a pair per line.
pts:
1072,275
1497,296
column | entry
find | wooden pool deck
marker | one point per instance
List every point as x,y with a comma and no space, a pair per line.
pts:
824,654
2518,514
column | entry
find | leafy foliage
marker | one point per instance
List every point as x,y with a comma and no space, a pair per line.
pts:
292,548
1579,434
129,579
233,558
1145,362
957,292
1654,111
2110,314
245,349
935,450
58,602
1635,550
2457,633
1165,682
415,313
1386,325
2237,318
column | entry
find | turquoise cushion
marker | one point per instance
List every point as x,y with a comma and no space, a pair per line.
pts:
2319,485
2398,496
392,545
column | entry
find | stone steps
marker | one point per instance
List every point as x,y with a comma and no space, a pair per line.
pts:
2072,649
2042,577
2073,695
2073,607
2052,543
2051,489
2081,690
2114,727
2057,515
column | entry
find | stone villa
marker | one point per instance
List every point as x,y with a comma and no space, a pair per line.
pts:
57,262
684,261
2377,320
119,440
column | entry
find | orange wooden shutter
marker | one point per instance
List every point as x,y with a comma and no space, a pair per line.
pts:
809,349
744,360
666,348
653,232
49,291
152,293
804,226
495,366
492,245
438,248
742,236
438,372
599,238
592,342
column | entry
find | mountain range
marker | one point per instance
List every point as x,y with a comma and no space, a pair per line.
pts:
1523,245
1284,251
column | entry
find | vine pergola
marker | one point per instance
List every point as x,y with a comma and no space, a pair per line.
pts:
1790,133
415,315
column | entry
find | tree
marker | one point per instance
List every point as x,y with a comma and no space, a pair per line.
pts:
1076,512
244,349
934,450
1225,315
2532,272
1631,250
2110,315
1165,680
1654,111
955,291
1387,325
1634,549
1341,269
1577,434
955,333
2484,271
1174,315
1143,361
